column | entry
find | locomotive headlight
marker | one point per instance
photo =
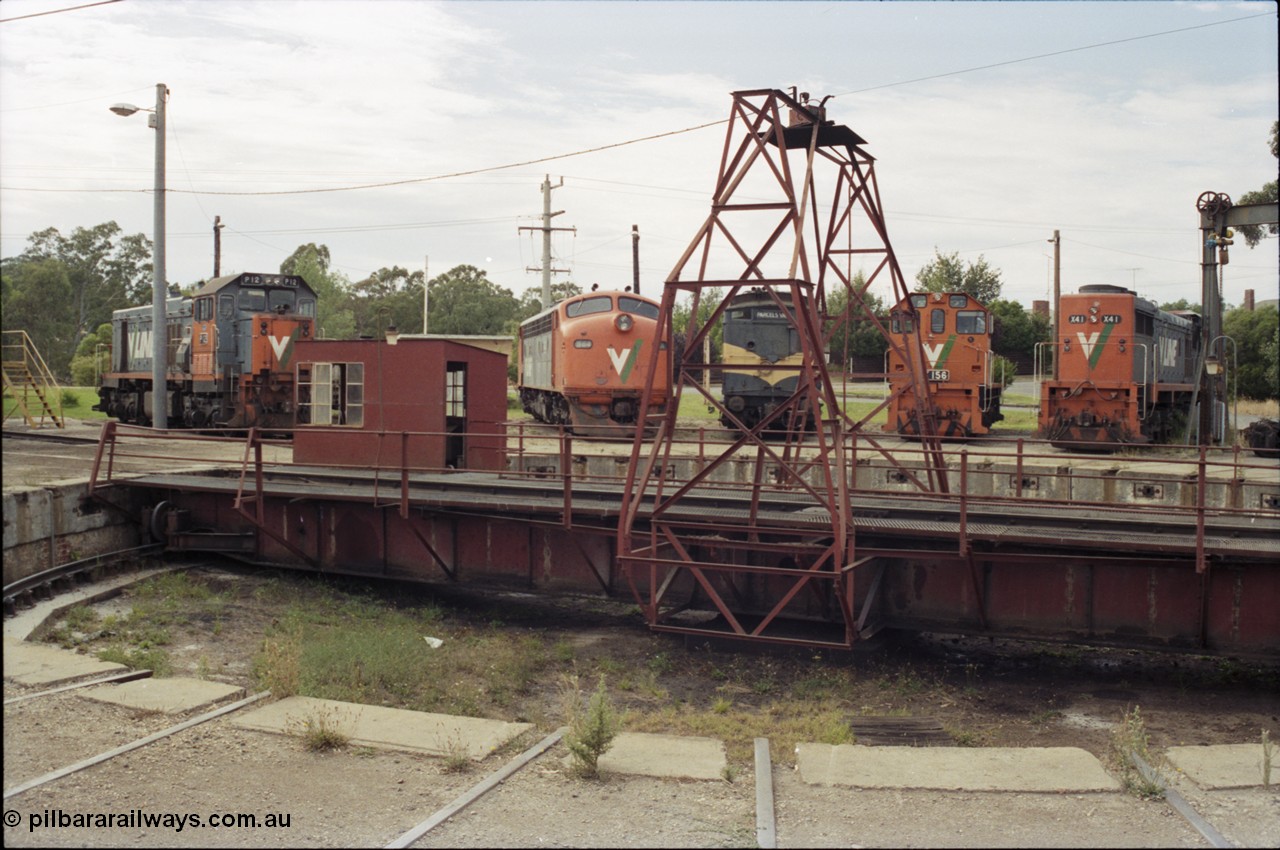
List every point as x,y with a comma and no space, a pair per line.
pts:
624,322
262,328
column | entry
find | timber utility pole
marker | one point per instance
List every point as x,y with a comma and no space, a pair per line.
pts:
1057,299
217,246
546,229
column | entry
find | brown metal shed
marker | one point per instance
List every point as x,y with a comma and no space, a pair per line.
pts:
427,403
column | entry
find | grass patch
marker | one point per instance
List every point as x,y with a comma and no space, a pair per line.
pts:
153,659
366,649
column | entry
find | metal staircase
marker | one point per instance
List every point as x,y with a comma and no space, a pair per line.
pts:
28,383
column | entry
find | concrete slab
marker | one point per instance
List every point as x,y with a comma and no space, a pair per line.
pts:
1222,765
387,728
35,664
1047,769
667,756
169,696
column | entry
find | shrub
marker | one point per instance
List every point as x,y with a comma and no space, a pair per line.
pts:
591,733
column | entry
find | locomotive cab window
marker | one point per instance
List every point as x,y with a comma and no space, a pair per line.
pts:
226,306
638,307
919,301
901,323
331,394
971,322
587,306
958,301
307,306
204,309
278,298
253,300
938,321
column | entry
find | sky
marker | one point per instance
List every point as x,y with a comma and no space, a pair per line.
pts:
992,124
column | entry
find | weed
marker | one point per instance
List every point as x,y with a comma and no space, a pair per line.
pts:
81,618
661,664
322,730
1267,751
722,705
729,772
591,732
202,667
1128,740
963,737
278,666
155,660
562,651
456,757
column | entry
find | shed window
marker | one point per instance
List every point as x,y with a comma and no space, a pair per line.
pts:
455,390
331,394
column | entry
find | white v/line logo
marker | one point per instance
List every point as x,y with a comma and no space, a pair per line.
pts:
278,345
619,358
1088,343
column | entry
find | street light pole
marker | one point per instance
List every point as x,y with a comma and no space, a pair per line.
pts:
159,289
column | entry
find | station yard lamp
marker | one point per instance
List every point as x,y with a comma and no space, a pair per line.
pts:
159,292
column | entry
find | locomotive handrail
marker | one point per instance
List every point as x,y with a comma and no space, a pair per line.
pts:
1150,377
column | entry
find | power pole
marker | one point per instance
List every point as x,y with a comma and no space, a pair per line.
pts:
1057,297
546,229
217,246
635,258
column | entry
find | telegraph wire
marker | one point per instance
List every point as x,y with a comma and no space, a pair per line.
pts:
58,11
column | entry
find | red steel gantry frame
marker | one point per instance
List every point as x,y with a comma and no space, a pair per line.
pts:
778,150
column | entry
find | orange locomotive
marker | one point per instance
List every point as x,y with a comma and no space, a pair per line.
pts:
1126,371
955,335
583,363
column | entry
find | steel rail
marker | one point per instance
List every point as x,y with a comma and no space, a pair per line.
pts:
46,578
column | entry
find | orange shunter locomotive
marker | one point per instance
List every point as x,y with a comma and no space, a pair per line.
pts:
1126,371
955,336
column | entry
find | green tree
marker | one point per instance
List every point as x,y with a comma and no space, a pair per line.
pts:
1181,305
681,315
1255,334
333,309
464,301
530,303
857,335
105,269
92,358
948,273
1017,331
389,296
1269,193
37,295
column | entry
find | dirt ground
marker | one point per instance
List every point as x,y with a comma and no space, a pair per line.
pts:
983,693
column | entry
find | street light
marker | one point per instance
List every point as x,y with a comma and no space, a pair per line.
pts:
159,289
